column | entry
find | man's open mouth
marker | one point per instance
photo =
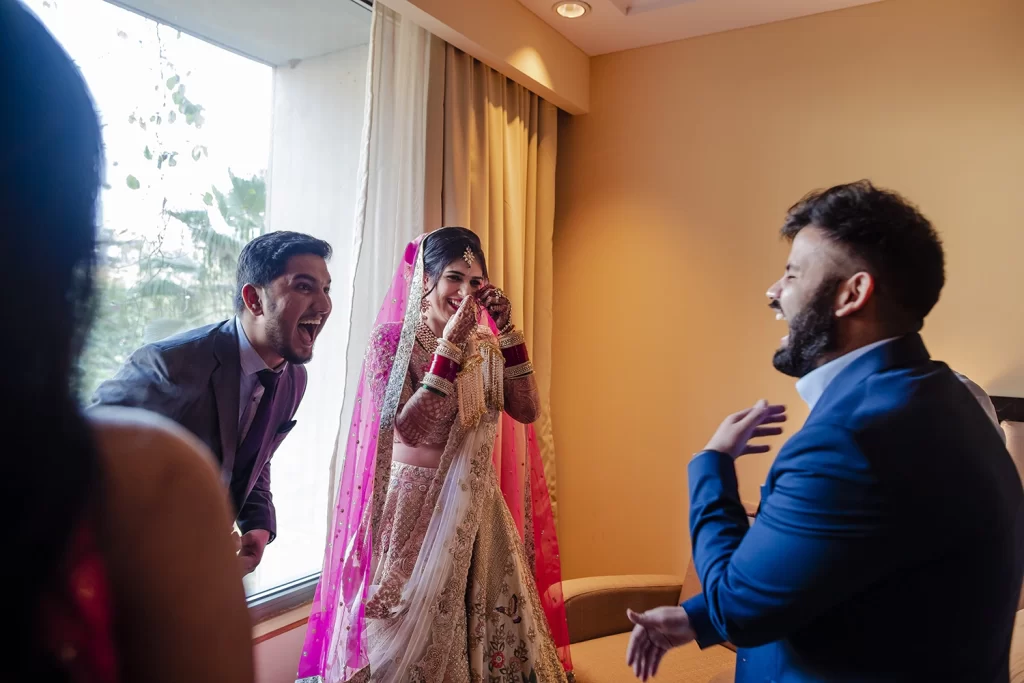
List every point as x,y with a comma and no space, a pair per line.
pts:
309,328
779,315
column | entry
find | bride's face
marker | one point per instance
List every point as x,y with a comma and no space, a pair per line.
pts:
457,281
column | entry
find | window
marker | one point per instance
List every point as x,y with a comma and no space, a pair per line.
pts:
186,127
206,149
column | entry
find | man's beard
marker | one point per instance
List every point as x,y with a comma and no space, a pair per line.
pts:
277,338
812,334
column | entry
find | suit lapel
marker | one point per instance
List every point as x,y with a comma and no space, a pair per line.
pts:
225,381
903,352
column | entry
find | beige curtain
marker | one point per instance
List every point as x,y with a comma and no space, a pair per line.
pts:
500,143
398,182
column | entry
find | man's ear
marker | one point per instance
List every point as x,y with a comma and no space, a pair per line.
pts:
252,299
854,293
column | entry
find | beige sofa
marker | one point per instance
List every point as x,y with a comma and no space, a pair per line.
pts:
599,630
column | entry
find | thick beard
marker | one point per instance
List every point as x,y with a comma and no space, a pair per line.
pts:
812,334
278,340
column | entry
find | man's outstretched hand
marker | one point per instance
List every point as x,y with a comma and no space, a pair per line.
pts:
655,632
739,428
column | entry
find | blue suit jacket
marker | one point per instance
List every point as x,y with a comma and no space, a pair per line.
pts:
887,545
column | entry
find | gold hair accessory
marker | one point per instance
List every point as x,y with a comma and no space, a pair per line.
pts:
469,257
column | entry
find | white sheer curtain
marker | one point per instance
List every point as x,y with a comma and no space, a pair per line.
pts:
399,175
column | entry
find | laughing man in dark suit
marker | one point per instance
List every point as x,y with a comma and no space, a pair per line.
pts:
237,384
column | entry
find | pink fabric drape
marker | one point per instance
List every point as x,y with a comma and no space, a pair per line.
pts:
336,619
335,645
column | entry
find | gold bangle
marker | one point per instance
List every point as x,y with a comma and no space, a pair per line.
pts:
517,371
513,338
438,384
449,350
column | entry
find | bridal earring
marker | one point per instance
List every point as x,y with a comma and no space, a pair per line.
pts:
424,307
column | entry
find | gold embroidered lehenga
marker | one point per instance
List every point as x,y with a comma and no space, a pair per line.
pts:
427,577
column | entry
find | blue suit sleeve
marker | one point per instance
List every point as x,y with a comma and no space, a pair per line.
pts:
818,539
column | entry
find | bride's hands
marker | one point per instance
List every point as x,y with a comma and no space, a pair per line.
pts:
460,325
497,305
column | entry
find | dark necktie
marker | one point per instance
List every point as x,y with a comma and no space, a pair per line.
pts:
248,451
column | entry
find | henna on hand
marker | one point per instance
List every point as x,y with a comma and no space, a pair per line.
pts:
462,324
522,399
426,418
497,304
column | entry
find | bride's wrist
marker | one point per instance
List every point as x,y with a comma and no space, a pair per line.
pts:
444,368
450,350
513,350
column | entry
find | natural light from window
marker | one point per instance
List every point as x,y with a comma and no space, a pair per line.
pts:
188,136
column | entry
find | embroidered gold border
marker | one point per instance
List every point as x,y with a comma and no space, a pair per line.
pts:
393,394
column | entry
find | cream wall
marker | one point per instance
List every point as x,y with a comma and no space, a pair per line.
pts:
277,658
670,192
513,41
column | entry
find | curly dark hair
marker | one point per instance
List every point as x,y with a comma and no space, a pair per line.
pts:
885,235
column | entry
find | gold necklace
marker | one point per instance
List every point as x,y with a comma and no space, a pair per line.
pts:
425,336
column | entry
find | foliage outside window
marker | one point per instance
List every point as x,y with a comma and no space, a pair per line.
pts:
186,127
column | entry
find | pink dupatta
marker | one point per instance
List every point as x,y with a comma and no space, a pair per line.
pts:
335,646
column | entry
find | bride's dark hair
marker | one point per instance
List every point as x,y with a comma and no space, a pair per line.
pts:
50,159
446,245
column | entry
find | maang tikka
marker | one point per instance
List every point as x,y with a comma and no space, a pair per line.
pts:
469,257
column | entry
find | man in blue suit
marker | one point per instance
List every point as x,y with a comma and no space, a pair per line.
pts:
886,547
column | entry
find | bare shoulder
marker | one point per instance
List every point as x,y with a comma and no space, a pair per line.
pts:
166,522
144,454
144,439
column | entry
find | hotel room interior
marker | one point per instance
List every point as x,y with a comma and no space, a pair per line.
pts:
664,141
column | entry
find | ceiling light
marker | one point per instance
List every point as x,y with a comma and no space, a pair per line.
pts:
572,10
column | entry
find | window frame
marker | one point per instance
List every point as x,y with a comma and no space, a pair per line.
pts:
276,601
292,595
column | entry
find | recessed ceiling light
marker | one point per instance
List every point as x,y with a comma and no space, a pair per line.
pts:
572,10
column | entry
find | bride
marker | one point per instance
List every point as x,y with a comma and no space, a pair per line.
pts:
436,572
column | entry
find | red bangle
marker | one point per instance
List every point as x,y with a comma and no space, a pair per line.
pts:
515,355
444,367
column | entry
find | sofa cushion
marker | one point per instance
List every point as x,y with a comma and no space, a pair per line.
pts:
596,607
603,660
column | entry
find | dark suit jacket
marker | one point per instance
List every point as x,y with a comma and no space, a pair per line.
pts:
887,543
193,378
